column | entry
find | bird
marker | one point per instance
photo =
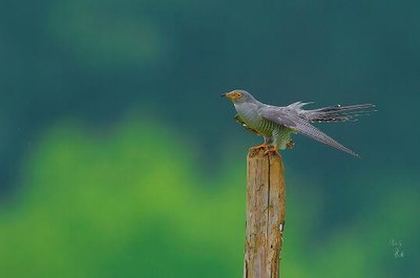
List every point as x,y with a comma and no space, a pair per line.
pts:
277,124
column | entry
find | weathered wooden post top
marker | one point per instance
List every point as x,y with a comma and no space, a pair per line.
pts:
265,213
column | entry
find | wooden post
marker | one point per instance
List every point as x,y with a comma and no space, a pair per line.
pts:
265,214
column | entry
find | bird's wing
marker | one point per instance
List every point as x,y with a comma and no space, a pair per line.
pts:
290,118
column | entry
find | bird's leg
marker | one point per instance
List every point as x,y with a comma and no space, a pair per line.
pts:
271,145
267,142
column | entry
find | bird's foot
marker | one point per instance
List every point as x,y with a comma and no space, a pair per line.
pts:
270,150
262,146
290,145
266,149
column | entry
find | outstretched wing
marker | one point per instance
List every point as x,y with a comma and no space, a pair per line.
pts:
290,118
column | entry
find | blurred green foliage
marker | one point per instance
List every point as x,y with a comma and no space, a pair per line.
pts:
105,195
127,204
60,59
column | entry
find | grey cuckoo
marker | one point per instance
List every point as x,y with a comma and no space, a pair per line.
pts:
277,124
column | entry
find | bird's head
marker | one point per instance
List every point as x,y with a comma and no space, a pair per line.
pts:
239,96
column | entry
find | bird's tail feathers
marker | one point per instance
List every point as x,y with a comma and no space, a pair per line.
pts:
339,113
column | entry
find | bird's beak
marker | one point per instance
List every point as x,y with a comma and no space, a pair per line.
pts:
227,95
223,95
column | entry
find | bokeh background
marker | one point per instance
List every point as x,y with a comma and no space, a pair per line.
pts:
118,158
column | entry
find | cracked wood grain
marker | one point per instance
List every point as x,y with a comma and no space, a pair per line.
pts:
265,214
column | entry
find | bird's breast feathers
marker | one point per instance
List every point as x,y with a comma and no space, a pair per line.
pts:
249,114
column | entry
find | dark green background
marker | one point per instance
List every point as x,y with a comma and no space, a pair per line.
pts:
118,158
